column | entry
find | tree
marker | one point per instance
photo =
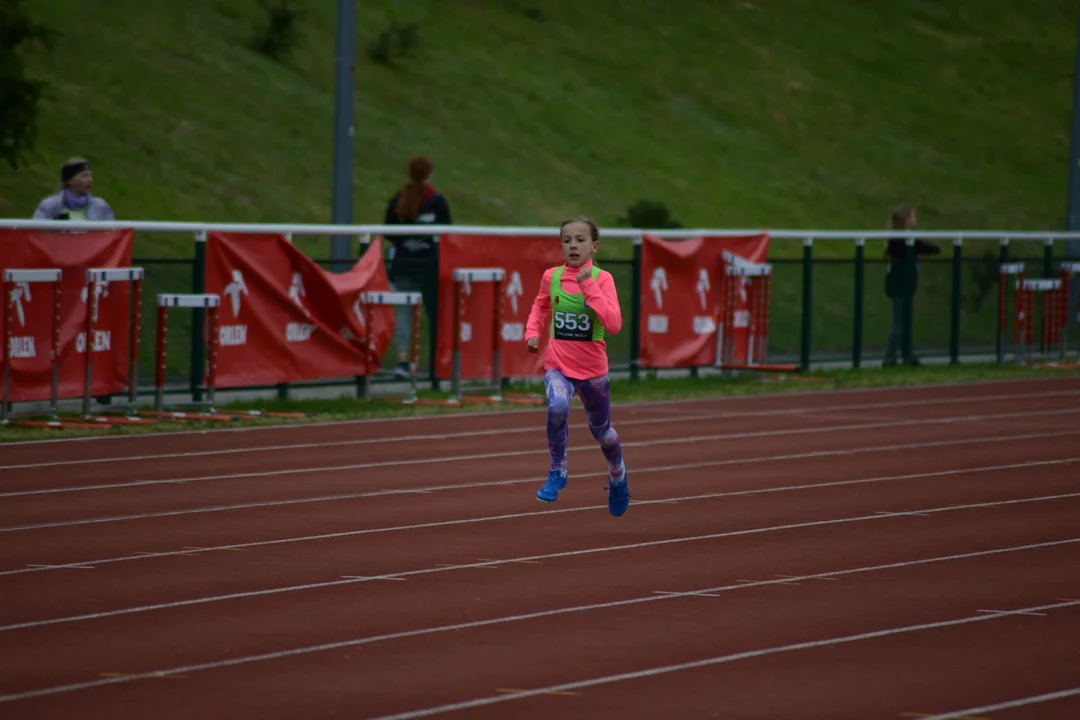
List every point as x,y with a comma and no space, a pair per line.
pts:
19,95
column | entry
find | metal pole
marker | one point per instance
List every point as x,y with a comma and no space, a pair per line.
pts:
9,319
211,371
345,74
1003,299
1072,247
957,299
860,283
635,309
198,321
159,356
807,302
907,344
1048,272
88,329
455,378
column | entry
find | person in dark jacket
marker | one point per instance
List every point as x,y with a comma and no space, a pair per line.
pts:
903,218
412,257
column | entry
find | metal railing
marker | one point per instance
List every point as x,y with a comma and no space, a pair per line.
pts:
832,287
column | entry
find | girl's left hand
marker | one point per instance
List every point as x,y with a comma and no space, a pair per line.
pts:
583,273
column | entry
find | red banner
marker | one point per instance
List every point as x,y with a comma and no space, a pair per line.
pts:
681,283
284,319
524,259
32,306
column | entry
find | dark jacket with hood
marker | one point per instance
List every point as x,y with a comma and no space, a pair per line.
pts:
894,271
412,253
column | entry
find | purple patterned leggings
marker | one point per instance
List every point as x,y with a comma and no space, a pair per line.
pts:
596,398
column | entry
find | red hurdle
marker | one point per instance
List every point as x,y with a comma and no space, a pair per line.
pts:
740,273
1053,318
95,277
1006,271
208,302
16,286
462,278
369,300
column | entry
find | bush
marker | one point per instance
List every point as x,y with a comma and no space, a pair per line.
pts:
397,40
19,95
649,214
281,33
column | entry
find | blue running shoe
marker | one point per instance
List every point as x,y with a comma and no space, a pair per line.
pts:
618,495
556,481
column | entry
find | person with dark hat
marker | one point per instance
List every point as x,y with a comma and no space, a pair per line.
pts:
74,200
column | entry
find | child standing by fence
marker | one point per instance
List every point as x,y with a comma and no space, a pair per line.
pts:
586,307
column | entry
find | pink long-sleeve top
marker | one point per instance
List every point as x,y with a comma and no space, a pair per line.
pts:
579,360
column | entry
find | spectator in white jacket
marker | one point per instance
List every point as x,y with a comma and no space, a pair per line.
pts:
74,200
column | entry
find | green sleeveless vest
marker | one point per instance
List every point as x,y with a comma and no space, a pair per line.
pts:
572,318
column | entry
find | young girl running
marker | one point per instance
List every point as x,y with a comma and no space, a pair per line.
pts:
586,307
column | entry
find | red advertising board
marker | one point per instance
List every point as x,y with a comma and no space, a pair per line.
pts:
31,307
524,259
285,319
681,284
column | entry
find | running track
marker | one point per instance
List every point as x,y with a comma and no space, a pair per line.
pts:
900,553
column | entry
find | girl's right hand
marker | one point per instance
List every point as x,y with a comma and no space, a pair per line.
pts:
532,344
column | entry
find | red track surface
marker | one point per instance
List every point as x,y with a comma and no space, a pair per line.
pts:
842,555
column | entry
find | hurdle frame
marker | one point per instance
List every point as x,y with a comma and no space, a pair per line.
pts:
760,297
29,275
369,300
1005,271
210,303
460,277
1050,290
134,276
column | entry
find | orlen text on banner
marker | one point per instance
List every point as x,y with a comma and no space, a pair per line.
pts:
31,306
524,259
681,298
285,319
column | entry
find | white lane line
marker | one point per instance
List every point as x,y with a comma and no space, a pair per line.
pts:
306,650
714,399
708,662
538,452
724,415
1017,612
541,513
496,483
551,556
1007,705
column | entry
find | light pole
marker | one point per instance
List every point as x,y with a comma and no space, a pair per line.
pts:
344,131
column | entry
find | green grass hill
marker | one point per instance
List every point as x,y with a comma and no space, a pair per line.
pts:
735,113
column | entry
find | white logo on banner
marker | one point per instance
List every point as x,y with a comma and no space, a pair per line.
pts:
20,292
296,332
703,287
233,291
296,290
230,335
102,291
704,324
102,338
514,290
659,284
21,346
514,331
